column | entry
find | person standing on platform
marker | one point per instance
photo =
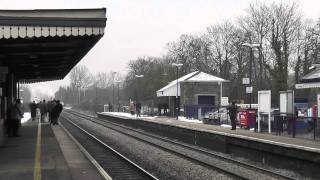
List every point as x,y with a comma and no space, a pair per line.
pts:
233,110
17,112
56,111
131,108
138,109
33,109
165,109
43,110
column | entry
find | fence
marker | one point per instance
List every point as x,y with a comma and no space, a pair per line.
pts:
301,127
198,111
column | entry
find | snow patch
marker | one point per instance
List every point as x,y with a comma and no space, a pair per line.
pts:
26,117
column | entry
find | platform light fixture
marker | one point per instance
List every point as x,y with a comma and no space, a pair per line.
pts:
177,65
251,46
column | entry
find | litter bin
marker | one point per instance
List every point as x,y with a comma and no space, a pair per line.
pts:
243,118
247,118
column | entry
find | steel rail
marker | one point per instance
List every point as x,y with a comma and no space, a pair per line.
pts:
139,169
198,149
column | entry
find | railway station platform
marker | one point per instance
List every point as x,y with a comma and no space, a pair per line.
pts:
44,152
279,151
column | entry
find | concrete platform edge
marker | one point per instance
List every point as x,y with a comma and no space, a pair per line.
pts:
102,172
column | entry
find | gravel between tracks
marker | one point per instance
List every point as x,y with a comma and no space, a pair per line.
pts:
161,163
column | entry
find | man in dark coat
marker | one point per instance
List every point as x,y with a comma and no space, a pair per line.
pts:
138,109
233,110
33,109
56,111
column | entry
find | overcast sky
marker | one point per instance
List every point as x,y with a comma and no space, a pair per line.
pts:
138,28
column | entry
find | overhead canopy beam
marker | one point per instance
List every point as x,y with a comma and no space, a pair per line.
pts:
41,45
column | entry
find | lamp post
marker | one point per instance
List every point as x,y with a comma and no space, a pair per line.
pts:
177,108
137,101
118,95
138,76
251,46
113,74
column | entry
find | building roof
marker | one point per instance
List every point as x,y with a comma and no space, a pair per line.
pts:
42,45
204,77
197,76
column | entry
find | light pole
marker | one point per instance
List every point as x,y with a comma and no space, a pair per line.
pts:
113,74
138,76
177,108
118,95
138,104
251,46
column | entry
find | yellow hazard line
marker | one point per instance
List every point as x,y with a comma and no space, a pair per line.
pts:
37,158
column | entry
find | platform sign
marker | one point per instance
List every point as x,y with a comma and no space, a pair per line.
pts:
249,89
245,81
283,102
224,101
264,106
287,102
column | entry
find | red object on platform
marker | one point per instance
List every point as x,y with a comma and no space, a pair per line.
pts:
247,117
243,117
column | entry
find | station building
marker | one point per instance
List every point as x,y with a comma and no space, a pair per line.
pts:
194,90
43,45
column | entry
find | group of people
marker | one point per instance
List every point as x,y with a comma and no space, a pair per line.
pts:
163,106
50,110
135,107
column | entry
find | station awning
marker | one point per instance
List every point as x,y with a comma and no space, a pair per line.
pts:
308,85
42,45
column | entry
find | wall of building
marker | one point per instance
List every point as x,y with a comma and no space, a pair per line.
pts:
191,90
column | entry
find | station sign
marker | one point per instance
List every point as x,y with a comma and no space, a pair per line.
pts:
249,89
245,81
224,101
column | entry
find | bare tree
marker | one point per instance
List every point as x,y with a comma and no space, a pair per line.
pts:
80,77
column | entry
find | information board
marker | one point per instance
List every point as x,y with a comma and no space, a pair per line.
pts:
283,102
264,101
224,101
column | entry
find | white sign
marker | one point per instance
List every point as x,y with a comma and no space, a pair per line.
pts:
245,81
318,104
224,101
283,102
249,89
264,101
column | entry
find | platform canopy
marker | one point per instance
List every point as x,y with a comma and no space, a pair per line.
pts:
197,76
310,80
42,45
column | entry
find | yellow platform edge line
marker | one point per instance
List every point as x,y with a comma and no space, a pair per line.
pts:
37,158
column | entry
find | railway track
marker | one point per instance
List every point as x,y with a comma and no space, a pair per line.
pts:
114,163
227,165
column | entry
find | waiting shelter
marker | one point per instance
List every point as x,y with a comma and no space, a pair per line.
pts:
43,45
193,91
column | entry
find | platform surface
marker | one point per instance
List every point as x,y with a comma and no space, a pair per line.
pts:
56,157
303,144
